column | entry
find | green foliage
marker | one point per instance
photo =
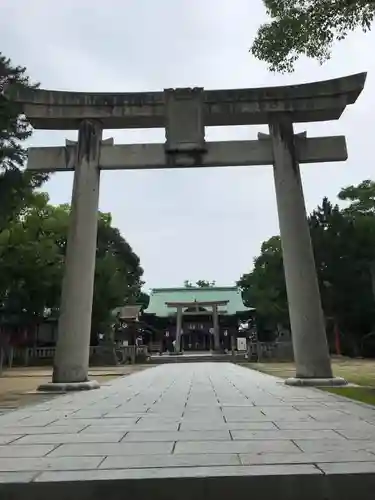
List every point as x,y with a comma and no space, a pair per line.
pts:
199,284
362,198
264,288
307,27
14,127
117,274
30,264
344,248
205,284
142,299
32,251
15,187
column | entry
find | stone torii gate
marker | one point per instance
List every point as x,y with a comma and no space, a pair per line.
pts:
213,305
184,113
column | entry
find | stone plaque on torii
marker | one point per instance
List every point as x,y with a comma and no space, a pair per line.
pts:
184,113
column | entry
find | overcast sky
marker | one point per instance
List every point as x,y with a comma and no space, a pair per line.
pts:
203,223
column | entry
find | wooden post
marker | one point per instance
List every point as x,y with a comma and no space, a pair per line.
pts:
215,319
178,328
26,358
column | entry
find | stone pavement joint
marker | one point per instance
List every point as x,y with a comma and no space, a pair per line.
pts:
210,429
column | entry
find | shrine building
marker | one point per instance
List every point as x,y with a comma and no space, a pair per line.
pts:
198,319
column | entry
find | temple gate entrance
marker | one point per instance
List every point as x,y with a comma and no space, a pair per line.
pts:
184,113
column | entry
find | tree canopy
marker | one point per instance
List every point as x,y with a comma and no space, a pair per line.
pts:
33,235
199,284
32,252
344,248
308,27
16,186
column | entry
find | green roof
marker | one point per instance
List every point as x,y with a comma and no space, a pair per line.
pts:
159,297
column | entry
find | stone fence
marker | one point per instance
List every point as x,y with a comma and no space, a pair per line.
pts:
278,351
99,355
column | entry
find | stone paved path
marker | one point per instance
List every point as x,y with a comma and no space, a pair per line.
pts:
199,420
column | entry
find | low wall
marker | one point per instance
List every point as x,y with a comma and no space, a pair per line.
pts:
99,355
278,351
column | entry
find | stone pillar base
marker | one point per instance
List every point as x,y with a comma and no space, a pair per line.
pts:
69,386
316,382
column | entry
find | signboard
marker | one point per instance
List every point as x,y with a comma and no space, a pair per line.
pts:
241,344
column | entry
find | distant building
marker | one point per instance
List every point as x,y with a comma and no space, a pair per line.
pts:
197,309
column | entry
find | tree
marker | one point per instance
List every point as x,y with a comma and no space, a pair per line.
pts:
143,299
32,253
344,248
308,27
362,198
205,284
342,256
200,284
15,187
117,274
31,265
264,287
361,210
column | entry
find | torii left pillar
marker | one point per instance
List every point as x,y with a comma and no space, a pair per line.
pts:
70,370
215,319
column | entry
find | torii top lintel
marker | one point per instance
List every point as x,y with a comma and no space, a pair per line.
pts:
317,101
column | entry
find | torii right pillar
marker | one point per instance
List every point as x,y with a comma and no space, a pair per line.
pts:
311,353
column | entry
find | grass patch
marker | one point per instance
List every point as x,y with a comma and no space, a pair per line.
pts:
362,394
356,371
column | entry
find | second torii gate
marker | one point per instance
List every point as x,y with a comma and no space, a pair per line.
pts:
184,113
214,305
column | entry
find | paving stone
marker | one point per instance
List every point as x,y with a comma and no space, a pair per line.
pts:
246,425
221,435
8,439
13,419
144,448
289,414
94,413
303,405
240,417
71,438
311,425
49,463
162,419
107,429
348,468
103,422
149,425
51,429
17,477
358,433
248,413
13,450
144,461
306,458
331,415
236,447
203,418
280,435
343,444
187,472
240,404
296,416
